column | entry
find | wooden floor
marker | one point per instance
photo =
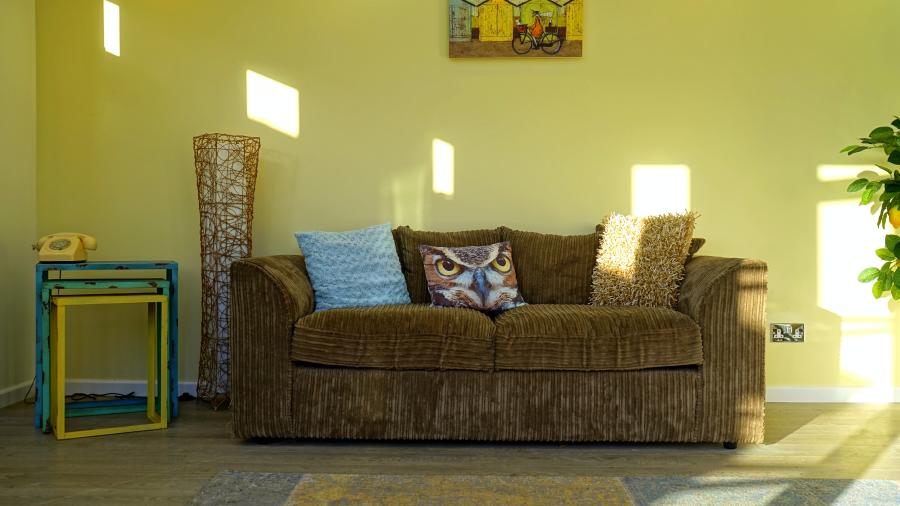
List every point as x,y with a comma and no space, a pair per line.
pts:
168,467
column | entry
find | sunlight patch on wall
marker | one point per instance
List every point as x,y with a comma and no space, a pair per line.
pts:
867,350
847,238
111,28
273,104
658,189
442,167
829,173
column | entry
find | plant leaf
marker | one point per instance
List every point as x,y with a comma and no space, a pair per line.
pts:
891,241
897,278
868,274
888,281
895,292
886,169
894,158
869,193
878,289
882,134
896,122
857,185
885,254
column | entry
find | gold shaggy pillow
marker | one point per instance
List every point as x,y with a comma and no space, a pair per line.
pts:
641,260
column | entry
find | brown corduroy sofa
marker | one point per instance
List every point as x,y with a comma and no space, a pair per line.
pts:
557,369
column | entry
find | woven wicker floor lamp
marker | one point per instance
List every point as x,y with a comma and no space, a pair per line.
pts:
226,168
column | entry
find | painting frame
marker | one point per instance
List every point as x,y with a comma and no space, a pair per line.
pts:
515,28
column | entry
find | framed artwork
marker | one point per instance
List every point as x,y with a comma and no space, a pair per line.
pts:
516,28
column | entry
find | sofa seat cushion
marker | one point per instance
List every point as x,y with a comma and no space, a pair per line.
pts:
595,338
408,336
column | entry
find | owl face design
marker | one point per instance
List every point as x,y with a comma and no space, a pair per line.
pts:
478,277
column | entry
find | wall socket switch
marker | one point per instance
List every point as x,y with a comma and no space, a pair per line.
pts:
787,332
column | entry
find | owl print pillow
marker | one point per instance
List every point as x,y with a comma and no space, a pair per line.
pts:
477,277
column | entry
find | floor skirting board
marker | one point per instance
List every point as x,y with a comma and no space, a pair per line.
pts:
833,394
13,394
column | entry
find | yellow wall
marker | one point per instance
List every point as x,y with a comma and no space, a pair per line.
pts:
751,95
17,194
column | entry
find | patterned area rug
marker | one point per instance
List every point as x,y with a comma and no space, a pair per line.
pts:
283,489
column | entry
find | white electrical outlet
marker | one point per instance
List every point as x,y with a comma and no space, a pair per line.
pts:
787,332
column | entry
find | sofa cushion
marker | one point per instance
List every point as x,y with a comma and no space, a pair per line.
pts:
475,277
409,336
411,259
355,268
641,260
595,338
696,243
553,269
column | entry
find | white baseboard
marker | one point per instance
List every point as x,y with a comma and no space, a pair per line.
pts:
120,386
13,394
833,394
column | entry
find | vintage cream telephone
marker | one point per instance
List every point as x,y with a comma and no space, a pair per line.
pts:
64,247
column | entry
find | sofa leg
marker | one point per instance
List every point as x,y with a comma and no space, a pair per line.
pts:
729,445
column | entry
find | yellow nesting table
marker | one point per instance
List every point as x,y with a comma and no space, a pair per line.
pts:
157,361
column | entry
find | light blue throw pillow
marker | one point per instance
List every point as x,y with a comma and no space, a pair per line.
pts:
358,268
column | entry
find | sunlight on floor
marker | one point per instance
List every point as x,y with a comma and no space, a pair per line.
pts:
111,28
657,189
273,104
442,167
847,239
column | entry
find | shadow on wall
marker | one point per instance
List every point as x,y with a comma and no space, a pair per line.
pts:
279,178
406,193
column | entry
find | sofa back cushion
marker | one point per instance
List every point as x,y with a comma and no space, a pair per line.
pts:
411,259
553,269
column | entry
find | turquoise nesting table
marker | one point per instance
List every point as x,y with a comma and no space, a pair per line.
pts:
50,276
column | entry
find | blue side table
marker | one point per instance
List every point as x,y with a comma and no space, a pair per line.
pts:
44,283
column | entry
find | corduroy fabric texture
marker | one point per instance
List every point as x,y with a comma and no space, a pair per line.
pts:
647,405
595,338
721,400
641,260
553,269
727,297
268,295
411,336
411,259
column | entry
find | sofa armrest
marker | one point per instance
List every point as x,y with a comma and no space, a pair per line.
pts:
268,295
727,298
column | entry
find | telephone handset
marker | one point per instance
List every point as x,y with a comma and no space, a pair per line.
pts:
64,247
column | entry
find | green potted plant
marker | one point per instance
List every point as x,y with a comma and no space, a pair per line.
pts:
887,191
